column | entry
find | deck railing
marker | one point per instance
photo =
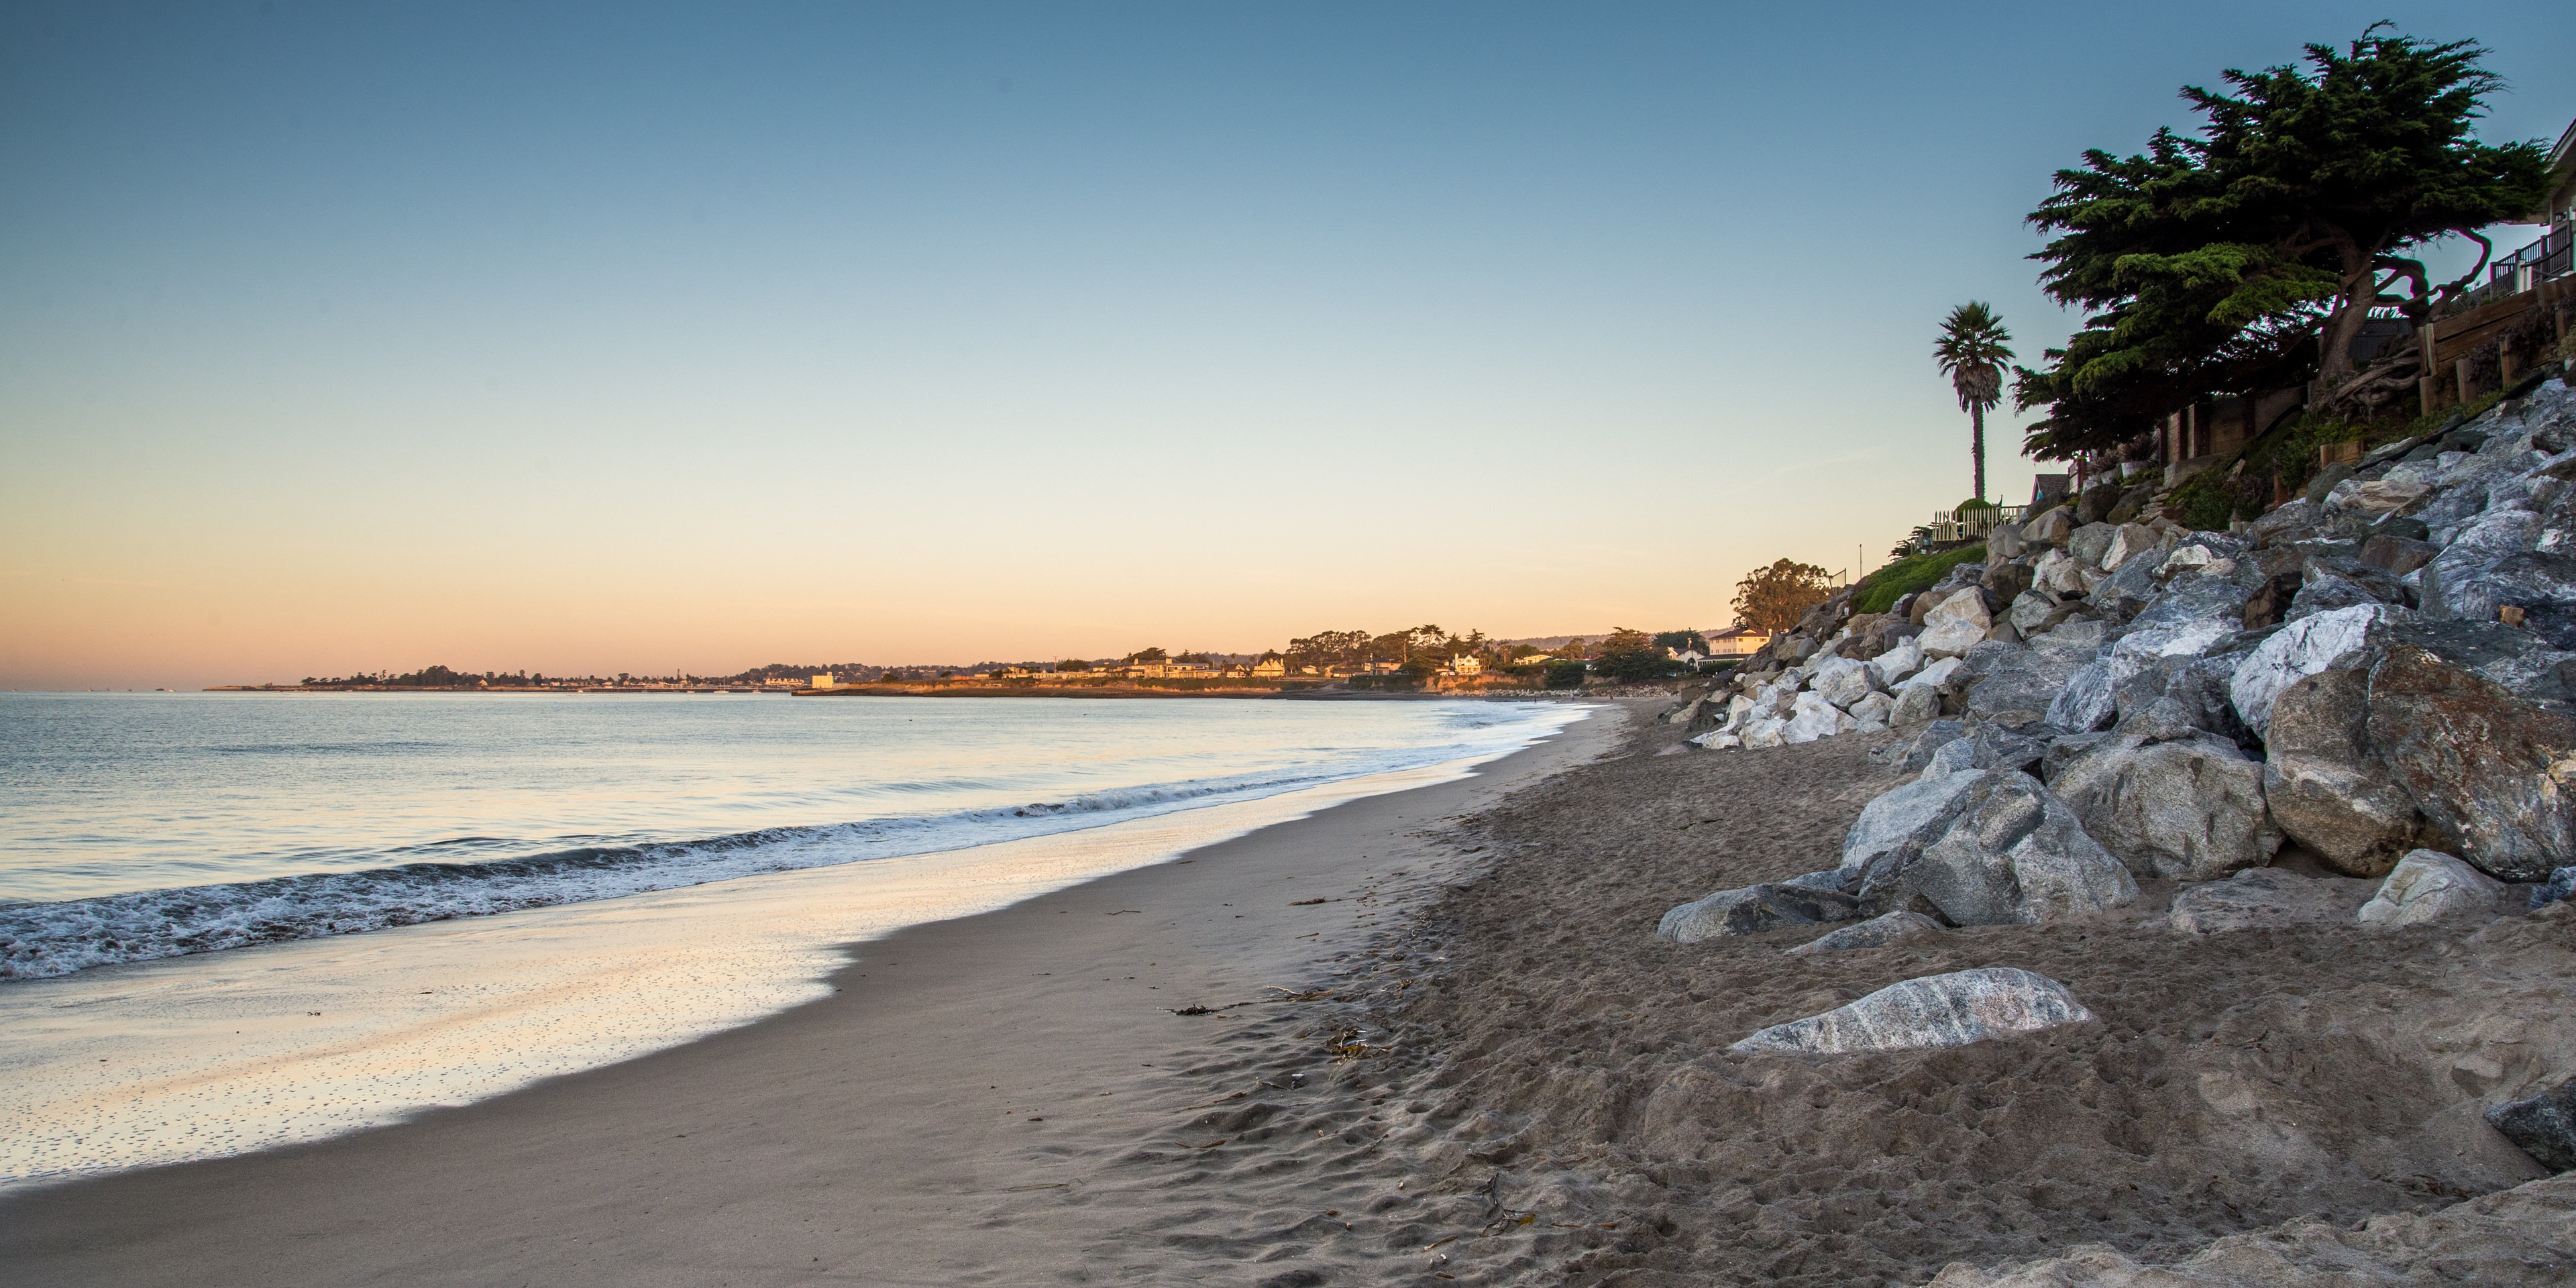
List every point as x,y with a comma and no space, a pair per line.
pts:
2554,255
1948,526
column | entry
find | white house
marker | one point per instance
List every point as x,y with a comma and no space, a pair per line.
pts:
1736,641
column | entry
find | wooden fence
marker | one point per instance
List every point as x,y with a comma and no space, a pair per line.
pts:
1947,526
2447,344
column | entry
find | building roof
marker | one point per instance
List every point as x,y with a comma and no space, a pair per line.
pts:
2562,179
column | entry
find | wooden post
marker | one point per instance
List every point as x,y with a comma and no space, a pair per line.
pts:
2504,359
2424,384
2460,370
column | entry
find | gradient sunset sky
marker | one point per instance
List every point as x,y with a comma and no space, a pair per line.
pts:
641,338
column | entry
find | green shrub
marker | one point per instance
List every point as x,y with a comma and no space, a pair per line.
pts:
1631,667
1880,590
1972,505
1563,674
2205,502
2466,412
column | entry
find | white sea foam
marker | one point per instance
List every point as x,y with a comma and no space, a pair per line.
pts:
411,882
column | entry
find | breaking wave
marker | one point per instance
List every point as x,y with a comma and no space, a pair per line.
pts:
40,940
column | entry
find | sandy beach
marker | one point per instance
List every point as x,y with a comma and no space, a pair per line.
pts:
1430,1037
1003,1098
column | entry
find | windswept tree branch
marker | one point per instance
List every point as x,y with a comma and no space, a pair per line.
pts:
2452,289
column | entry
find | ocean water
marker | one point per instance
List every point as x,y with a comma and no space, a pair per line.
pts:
142,826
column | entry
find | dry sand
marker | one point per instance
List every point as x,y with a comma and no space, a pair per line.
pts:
1473,1063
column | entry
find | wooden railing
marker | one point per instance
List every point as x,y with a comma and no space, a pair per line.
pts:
2445,344
1948,526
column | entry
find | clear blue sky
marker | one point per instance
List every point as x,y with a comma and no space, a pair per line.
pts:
629,337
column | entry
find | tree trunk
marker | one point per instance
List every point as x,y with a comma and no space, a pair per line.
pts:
1977,444
2335,365
2360,292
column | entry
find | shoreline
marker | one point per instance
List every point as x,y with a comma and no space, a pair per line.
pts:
863,1096
1309,693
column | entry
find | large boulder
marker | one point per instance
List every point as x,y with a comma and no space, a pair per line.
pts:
2543,1126
1874,634
1934,675
1956,624
2063,575
2190,811
2285,523
2052,528
1900,659
2323,785
2257,899
1812,718
2087,544
2096,501
2323,590
2189,620
1843,682
2540,583
2489,771
1998,849
1916,752
2035,610
2128,542
1753,910
1872,713
2079,635
1910,816
1878,932
2297,650
2016,686
1935,1011
2396,555
2196,558
2376,497
1914,706
2560,886
2428,885
1996,746
2087,702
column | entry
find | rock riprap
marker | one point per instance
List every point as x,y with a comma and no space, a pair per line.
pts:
2190,810
2428,885
1987,848
2543,1126
1935,1011
1878,932
2383,668
1752,910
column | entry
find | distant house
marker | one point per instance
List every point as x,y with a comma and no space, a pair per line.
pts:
1736,641
1270,668
1687,656
1012,673
824,682
1466,664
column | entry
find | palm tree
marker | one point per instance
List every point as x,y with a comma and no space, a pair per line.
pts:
1972,354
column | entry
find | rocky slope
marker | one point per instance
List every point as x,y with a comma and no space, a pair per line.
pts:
2375,681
